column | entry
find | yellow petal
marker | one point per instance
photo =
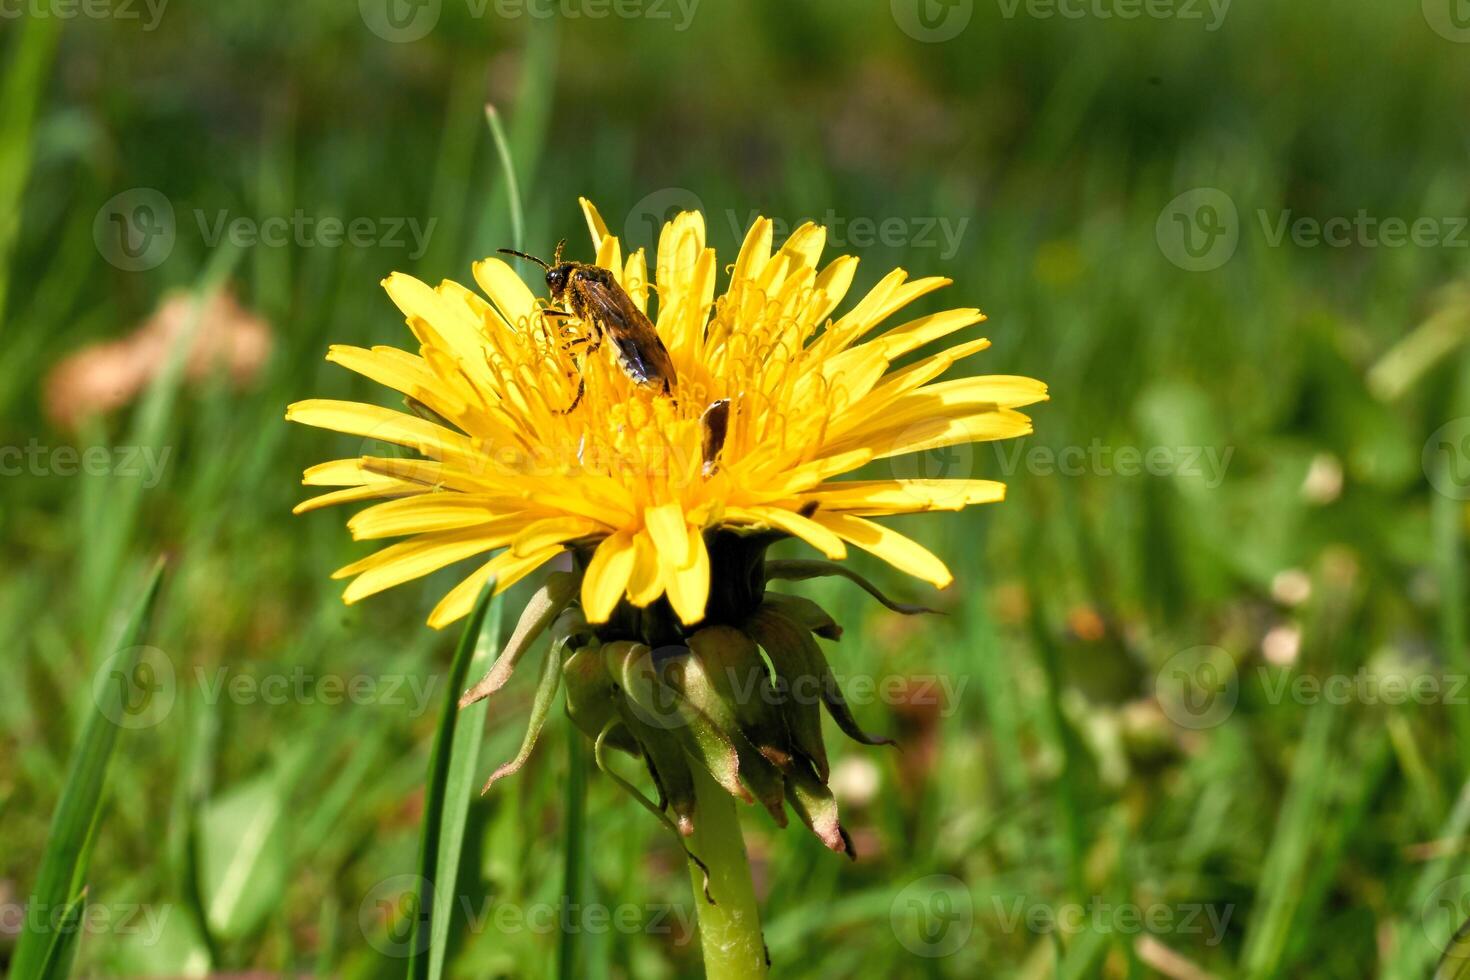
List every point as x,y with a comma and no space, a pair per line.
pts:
1003,423
754,253
810,474
353,495
428,512
415,558
635,279
542,534
505,568
669,531
386,425
905,496
646,583
1004,390
457,603
460,330
342,473
805,244
916,333
610,256
905,554
792,523
688,588
507,291
431,474
595,225
607,576
389,367
835,281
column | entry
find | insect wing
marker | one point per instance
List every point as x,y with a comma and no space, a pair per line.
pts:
640,350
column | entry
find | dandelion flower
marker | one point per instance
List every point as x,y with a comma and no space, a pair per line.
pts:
532,438
528,445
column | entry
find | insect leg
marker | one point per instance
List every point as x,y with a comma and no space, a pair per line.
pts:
581,390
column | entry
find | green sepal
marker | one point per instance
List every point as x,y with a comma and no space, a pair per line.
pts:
664,710
545,606
831,691
805,613
801,569
569,625
817,808
699,678
789,647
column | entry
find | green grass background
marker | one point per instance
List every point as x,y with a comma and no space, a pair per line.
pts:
1331,834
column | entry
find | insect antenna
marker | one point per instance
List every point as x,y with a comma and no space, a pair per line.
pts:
523,255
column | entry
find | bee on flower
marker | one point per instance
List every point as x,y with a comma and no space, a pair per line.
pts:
803,396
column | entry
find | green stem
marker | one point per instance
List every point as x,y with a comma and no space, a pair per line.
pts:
575,840
729,929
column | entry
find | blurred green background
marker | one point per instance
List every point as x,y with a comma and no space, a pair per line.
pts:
1176,739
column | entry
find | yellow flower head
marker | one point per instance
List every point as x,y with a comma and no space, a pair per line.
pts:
533,438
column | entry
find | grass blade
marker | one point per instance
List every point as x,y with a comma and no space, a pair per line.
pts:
574,846
32,49
64,864
512,186
64,948
447,793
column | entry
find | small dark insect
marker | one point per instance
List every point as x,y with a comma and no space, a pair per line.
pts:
715,423
591,294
